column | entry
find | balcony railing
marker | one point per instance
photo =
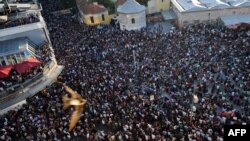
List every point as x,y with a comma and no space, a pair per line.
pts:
17,87
20,21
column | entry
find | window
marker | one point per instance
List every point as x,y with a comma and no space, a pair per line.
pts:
11,60
19,57
27,54
133,20
103,18
22,55
92,19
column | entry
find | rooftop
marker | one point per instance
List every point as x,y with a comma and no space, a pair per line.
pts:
90,8
20,5
130,6
235,19
198,5
18,12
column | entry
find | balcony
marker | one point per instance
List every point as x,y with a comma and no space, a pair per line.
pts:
18,93
23,24
36,31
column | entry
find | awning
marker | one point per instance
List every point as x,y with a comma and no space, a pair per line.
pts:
169,15
5,71
22,67
33,62
26,65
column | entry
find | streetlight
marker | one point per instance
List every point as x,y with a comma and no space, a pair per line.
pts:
195,100
133,48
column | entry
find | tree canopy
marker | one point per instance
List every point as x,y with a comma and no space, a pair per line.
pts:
143,2
107,3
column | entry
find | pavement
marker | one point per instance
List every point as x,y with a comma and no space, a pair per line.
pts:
163,27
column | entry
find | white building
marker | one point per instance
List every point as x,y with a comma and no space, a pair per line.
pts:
34,28
156,6
131,15
196,11
23,32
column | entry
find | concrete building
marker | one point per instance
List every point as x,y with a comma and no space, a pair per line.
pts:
92,13
153,6
26,26
23,32
131,15
196,11
24,20
156,6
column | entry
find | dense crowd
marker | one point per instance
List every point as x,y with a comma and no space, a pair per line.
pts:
15,79
139,85
32,18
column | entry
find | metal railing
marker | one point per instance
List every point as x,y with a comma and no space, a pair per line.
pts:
15,90
18,87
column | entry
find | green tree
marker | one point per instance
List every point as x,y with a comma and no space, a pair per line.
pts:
143,2
107,3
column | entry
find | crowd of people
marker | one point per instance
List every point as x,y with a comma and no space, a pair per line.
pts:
15,79
139,85
43,54
32,18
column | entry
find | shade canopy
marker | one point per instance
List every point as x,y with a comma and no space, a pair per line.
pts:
33,62
5,71
26,65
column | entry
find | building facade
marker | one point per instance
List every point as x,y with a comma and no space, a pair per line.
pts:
131,15
23,36
156,6
27,26
198,11
92,13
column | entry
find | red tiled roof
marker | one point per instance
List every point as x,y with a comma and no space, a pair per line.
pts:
90,8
